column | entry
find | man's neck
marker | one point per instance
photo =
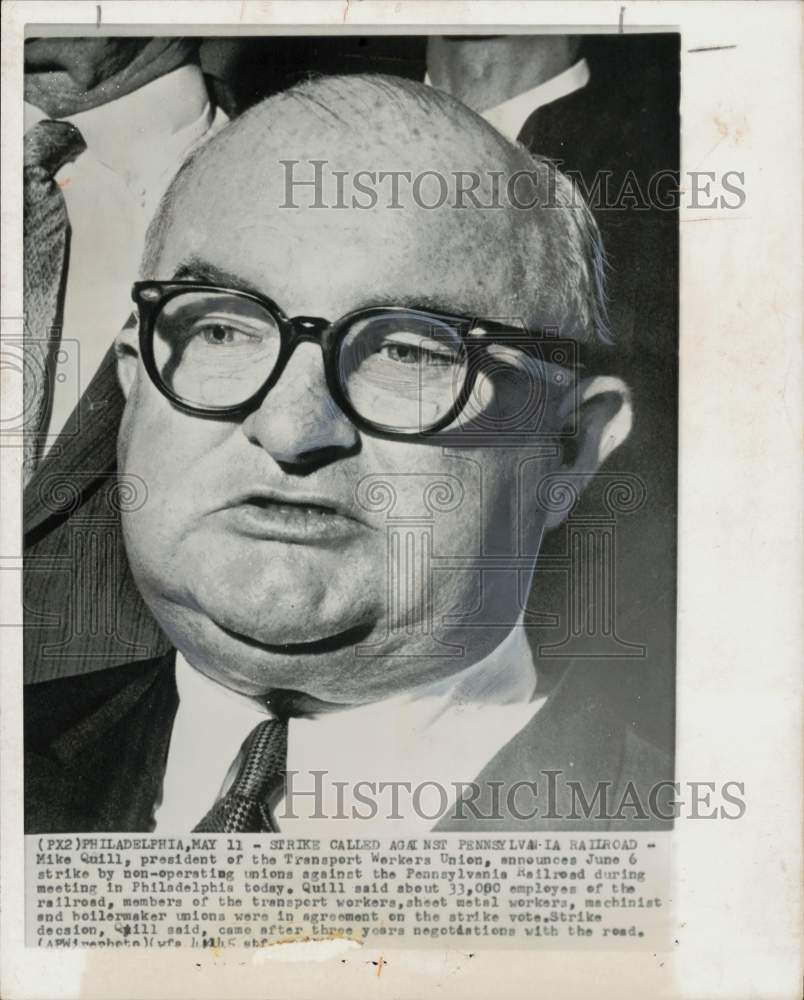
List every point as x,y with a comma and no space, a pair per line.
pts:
486,72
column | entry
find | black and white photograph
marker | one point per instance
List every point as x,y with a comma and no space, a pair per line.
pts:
369,478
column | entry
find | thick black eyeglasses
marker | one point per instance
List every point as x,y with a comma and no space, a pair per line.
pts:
394,371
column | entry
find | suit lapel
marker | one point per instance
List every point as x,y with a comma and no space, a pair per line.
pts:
83,457
97,747
577,733
75,559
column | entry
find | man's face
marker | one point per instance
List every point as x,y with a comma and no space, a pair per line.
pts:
259,550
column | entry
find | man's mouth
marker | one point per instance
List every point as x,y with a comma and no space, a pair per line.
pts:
302,521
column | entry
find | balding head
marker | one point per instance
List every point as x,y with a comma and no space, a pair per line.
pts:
384,174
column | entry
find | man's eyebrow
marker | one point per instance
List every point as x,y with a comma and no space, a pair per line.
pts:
196,269
425,303
460,310
203,271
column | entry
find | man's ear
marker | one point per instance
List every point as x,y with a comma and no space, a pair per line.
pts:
126,349
603,414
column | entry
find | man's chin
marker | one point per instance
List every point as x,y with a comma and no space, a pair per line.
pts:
288,619
254,660
297,642
292,580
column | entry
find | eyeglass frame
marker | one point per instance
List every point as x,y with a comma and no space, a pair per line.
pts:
296,330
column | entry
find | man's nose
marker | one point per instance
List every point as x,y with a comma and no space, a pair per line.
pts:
299,424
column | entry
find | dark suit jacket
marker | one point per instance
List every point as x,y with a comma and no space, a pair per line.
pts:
82,609
96,748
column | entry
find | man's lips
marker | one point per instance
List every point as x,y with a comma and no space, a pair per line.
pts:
293,517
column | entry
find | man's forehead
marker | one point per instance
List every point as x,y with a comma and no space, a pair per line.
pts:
325,262
328,269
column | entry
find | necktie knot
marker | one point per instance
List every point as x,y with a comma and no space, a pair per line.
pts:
51,144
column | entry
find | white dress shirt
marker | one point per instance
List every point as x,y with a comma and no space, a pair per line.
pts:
442,733
135,145
511,115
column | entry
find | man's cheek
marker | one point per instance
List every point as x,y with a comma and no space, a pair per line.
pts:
154,449
162,444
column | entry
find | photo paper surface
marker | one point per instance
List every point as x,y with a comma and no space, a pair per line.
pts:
348,459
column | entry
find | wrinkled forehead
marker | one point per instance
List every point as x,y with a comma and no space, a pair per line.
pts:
325,216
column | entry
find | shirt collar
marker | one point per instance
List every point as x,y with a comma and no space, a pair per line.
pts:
506,676
136,135
511,115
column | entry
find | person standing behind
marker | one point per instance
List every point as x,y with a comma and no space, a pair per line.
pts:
108,122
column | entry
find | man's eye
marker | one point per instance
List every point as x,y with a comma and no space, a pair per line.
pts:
218,335
414,354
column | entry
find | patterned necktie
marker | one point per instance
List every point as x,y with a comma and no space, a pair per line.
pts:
46,244
245,806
